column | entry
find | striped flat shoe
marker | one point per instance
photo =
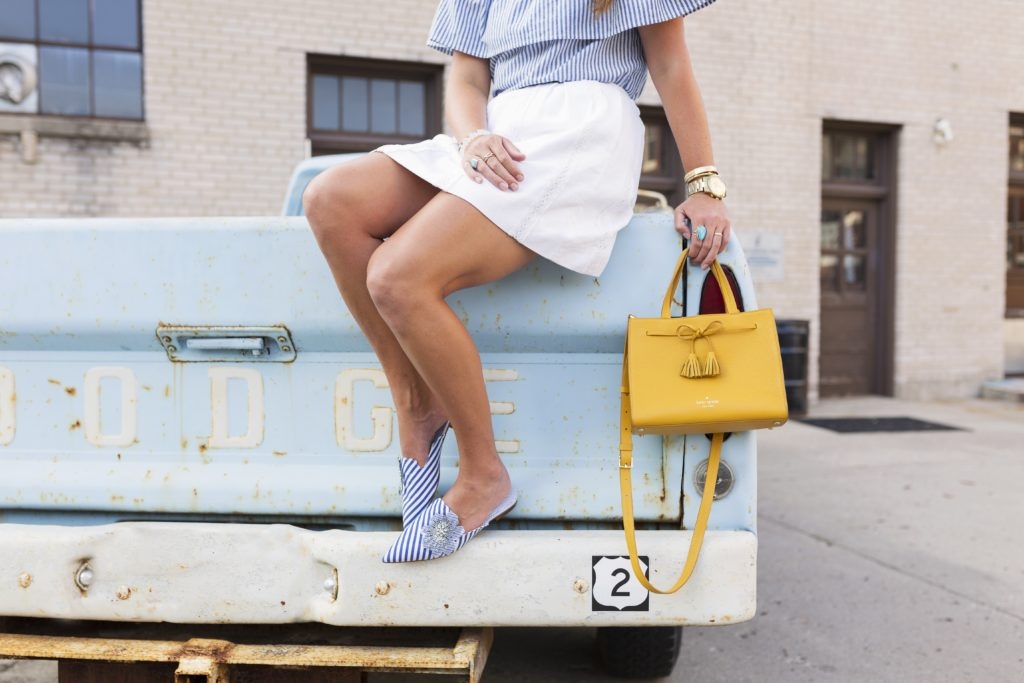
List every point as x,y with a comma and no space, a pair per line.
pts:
437,532
419,484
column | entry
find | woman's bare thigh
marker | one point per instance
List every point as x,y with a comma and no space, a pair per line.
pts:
373,194
449,245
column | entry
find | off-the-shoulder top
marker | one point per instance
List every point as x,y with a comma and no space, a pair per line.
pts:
530,42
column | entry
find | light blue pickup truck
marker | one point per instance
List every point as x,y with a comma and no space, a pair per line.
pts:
193,431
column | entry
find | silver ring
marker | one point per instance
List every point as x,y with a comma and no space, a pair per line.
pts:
473,163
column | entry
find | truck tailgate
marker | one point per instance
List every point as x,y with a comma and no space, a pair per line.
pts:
109,410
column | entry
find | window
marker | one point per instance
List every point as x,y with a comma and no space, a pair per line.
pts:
356,105
79,58
662,169
849,156
1015,221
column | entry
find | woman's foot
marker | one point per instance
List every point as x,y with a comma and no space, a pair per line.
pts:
416,434
474,498
438,531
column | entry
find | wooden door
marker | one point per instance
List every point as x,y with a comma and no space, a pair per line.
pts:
852,334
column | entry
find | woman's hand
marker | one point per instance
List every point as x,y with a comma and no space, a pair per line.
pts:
701,210
496,159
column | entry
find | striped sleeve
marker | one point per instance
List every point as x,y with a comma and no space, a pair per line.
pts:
512,24
627,14
460,25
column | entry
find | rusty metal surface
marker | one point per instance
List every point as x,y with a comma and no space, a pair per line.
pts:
213,661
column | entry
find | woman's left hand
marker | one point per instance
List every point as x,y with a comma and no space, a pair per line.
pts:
702,210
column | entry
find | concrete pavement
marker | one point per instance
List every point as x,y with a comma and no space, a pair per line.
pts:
883,557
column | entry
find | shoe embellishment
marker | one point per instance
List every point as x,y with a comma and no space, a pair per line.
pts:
441,533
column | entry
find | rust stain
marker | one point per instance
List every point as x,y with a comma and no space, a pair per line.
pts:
146,387
203,448
53,381
167,391
117,499
70,391
184,444
77,424
280,454
217,650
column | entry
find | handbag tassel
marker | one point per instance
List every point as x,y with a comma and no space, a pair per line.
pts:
711,368
692,369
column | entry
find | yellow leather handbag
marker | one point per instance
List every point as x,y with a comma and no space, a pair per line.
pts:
711,373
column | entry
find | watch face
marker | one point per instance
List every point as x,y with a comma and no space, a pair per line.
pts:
716,186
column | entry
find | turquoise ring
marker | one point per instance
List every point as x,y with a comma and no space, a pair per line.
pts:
702,232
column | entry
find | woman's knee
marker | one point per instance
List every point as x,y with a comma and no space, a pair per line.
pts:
392,284
323,198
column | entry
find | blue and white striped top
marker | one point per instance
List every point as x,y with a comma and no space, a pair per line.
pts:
531,42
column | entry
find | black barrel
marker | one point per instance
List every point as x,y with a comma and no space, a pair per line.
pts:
794,336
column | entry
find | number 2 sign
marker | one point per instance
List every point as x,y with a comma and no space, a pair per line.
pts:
615,587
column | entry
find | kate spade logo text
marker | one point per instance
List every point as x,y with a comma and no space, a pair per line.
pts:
707,402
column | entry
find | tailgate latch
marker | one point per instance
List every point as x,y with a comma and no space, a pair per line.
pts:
220,344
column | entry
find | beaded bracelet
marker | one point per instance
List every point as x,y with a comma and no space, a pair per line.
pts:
472,136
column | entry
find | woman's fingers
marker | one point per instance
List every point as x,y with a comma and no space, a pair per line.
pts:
704,221
495,159
717,240
503,166
700,243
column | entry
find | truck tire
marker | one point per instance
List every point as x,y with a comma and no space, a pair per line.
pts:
639,652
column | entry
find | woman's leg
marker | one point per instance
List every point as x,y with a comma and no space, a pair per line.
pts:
351,209
447,246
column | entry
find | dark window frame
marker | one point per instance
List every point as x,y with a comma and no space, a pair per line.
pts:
337,142
1014,229
91,47
669,181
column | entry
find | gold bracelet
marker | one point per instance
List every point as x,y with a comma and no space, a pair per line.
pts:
700,171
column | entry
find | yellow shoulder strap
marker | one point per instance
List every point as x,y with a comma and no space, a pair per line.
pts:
626,484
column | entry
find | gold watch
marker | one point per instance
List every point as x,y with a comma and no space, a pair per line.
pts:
710,184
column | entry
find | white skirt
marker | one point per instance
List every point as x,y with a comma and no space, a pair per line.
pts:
583,143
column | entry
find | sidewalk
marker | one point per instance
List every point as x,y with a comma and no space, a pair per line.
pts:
884,557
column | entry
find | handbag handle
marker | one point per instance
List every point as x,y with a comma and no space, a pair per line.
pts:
626,487
716,270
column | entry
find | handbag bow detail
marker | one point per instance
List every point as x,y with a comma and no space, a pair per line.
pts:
692,368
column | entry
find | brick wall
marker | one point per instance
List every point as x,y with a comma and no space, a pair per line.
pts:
225,111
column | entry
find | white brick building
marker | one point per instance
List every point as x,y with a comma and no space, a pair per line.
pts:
226,94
